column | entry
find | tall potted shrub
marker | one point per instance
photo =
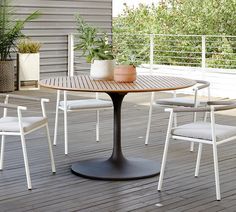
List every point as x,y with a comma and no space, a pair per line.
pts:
96,49
10,31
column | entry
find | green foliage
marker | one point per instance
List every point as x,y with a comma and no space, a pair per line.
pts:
10,28
28,46
223,56
91,43
178,17
127,56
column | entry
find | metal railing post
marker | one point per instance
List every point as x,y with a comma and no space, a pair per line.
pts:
70,55
153,93
151,52
203,51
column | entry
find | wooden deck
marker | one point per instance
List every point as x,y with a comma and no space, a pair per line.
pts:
68,192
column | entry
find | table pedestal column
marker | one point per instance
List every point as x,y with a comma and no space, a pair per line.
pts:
117,167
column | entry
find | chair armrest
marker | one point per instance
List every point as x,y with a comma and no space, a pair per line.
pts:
45,100
188,109
213,106
12,106
30,98
204,84
224,105
221,102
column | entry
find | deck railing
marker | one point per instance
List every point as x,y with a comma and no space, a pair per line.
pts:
205,51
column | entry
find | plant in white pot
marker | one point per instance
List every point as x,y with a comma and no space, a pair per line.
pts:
10,31
96,49
28,62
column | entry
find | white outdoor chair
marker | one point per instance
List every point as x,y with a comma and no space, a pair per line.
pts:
78,105
179,101
21,126
202,133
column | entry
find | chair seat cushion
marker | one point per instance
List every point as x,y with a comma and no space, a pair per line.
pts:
86,104
179,101
202,130
11,124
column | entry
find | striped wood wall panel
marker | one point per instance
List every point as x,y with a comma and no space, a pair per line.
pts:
56,21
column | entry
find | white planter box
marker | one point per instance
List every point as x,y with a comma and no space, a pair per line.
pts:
28,67
222,80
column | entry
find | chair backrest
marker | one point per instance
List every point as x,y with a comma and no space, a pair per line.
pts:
201,84
70,73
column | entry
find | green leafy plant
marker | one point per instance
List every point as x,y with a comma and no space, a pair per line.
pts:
128,57
223,56
94,45
11,28
28,46
177,17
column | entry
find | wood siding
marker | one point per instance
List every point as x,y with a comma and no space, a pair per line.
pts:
56,22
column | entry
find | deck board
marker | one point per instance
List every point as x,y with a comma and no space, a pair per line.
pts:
67,192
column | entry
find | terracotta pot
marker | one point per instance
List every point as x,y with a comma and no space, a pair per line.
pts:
6,76
125,73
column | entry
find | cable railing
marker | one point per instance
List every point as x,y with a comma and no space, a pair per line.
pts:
205,51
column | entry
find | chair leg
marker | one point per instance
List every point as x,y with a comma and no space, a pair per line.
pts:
163,165
191,146
192,143
2,152
148,125
27,171
56,119
165,153
216,169
50,150
65,132
149,119
65,123
205,116
199,155
97,126
175,120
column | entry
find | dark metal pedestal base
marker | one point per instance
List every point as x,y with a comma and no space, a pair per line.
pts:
104,169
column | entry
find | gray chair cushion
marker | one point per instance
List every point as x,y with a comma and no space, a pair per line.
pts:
179,101
202,130
86,104
11,124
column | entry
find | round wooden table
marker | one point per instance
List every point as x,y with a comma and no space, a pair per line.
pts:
117,167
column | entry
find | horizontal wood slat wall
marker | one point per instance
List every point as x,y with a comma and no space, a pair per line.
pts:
56,21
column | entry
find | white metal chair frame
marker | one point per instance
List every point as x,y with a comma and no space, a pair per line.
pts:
212,108
22,133
66,110
201,84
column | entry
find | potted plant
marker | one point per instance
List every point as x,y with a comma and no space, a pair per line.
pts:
10,31
126,70
28,61
96,49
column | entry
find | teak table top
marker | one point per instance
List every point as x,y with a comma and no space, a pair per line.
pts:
144,83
